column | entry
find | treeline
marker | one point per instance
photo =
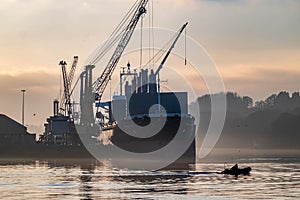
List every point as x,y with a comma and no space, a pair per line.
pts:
270,123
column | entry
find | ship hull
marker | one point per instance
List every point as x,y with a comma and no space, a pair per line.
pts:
120,138
176,131
44,151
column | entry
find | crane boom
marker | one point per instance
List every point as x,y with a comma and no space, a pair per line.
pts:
170,50
67,80
72,72
100,84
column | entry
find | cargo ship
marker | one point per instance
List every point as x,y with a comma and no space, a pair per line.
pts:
143,120
140,119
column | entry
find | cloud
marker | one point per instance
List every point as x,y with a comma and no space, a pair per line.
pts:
260,82
248,25
37,80
42,32
41,89
221,1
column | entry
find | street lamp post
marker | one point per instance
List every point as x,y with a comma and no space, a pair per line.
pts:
23,91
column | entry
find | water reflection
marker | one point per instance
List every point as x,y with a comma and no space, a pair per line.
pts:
85,179
90,179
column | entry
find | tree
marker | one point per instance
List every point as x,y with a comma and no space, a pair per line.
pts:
270,101
260,104
248,102
282,101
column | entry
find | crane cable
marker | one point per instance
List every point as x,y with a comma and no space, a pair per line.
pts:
185,49
141,47
152,26
158,55
149,40
115,35
161,52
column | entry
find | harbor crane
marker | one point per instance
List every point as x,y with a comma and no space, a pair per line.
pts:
100,84
164,61
168,54
65,103
94,91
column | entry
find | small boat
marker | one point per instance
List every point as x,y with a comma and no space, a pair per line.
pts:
235,170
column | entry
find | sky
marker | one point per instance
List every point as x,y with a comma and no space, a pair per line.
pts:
255,44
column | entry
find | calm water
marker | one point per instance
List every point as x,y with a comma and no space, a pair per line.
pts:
274,178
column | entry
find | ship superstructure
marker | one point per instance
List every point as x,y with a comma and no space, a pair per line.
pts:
140,105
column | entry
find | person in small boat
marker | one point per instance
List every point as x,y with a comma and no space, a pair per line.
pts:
235,169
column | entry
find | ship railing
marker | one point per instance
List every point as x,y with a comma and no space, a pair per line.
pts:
159,115
108,126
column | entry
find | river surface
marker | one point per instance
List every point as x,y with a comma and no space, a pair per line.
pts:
271,178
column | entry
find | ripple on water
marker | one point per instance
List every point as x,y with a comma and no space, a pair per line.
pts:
268,180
